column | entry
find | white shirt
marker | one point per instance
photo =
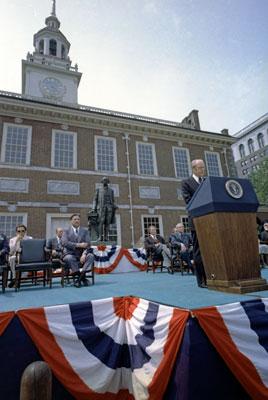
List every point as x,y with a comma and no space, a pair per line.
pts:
196,178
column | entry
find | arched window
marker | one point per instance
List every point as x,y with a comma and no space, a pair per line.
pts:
250,146
63,52
52,47
41,46
242,150
260,140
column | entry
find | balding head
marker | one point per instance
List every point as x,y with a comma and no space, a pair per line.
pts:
179,227
198,167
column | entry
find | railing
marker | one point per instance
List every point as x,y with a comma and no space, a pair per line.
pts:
96,110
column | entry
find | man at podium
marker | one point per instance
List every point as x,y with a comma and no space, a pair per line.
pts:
188,187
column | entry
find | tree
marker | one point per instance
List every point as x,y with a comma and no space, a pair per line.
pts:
259,180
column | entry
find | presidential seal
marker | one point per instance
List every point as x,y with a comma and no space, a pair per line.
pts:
234,189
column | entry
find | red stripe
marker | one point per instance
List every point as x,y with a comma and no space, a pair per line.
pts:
124,307
5,319
107,270
141,267
162,375
35,323
243,369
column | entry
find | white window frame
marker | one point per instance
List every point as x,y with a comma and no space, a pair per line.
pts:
161,231
219,161
112,139
54,131
188,160
4,140
154,158
16,214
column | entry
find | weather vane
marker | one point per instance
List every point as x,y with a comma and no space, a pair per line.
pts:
53,12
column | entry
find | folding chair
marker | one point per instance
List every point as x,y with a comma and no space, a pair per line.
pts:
33,259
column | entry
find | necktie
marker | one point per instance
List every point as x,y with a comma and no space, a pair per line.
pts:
200,179
76,231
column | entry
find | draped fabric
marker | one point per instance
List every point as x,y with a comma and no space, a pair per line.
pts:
107,258
239,332
5,319
115,348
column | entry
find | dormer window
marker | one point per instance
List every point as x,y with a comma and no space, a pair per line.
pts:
41,46
63,52
52,47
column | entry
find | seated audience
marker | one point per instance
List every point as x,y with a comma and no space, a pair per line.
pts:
76,244
156,248
4,248
263,245
181,243
15,248
54,245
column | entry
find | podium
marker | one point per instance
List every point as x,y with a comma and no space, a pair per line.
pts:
224,216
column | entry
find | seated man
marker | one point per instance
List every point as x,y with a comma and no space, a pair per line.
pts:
76,242
14,245
263,245
156,248
54,246
181,243
4,248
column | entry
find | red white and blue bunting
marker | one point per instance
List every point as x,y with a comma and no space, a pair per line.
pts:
108,258
240,335
116,348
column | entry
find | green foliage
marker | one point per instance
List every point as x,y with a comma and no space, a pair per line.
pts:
259,180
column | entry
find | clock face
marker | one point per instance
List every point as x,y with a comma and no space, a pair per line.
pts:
52,88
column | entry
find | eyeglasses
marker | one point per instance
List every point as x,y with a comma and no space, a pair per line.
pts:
20,231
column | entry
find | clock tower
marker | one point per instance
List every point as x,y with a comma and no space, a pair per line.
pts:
48,73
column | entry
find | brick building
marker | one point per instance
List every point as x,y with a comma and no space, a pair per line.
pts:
54,152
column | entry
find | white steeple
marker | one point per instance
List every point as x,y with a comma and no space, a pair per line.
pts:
49,69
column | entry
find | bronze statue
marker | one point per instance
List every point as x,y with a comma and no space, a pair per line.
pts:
102,214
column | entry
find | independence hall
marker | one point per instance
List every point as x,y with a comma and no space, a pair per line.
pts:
55,151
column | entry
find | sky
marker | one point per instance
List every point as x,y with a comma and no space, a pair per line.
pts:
157,58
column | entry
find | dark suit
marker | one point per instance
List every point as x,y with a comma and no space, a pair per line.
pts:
188,188
54,244
4,248
157,251
72,254
175,241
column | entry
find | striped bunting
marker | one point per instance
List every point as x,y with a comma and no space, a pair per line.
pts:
5,319
106,258
115,348
239,333
137,257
